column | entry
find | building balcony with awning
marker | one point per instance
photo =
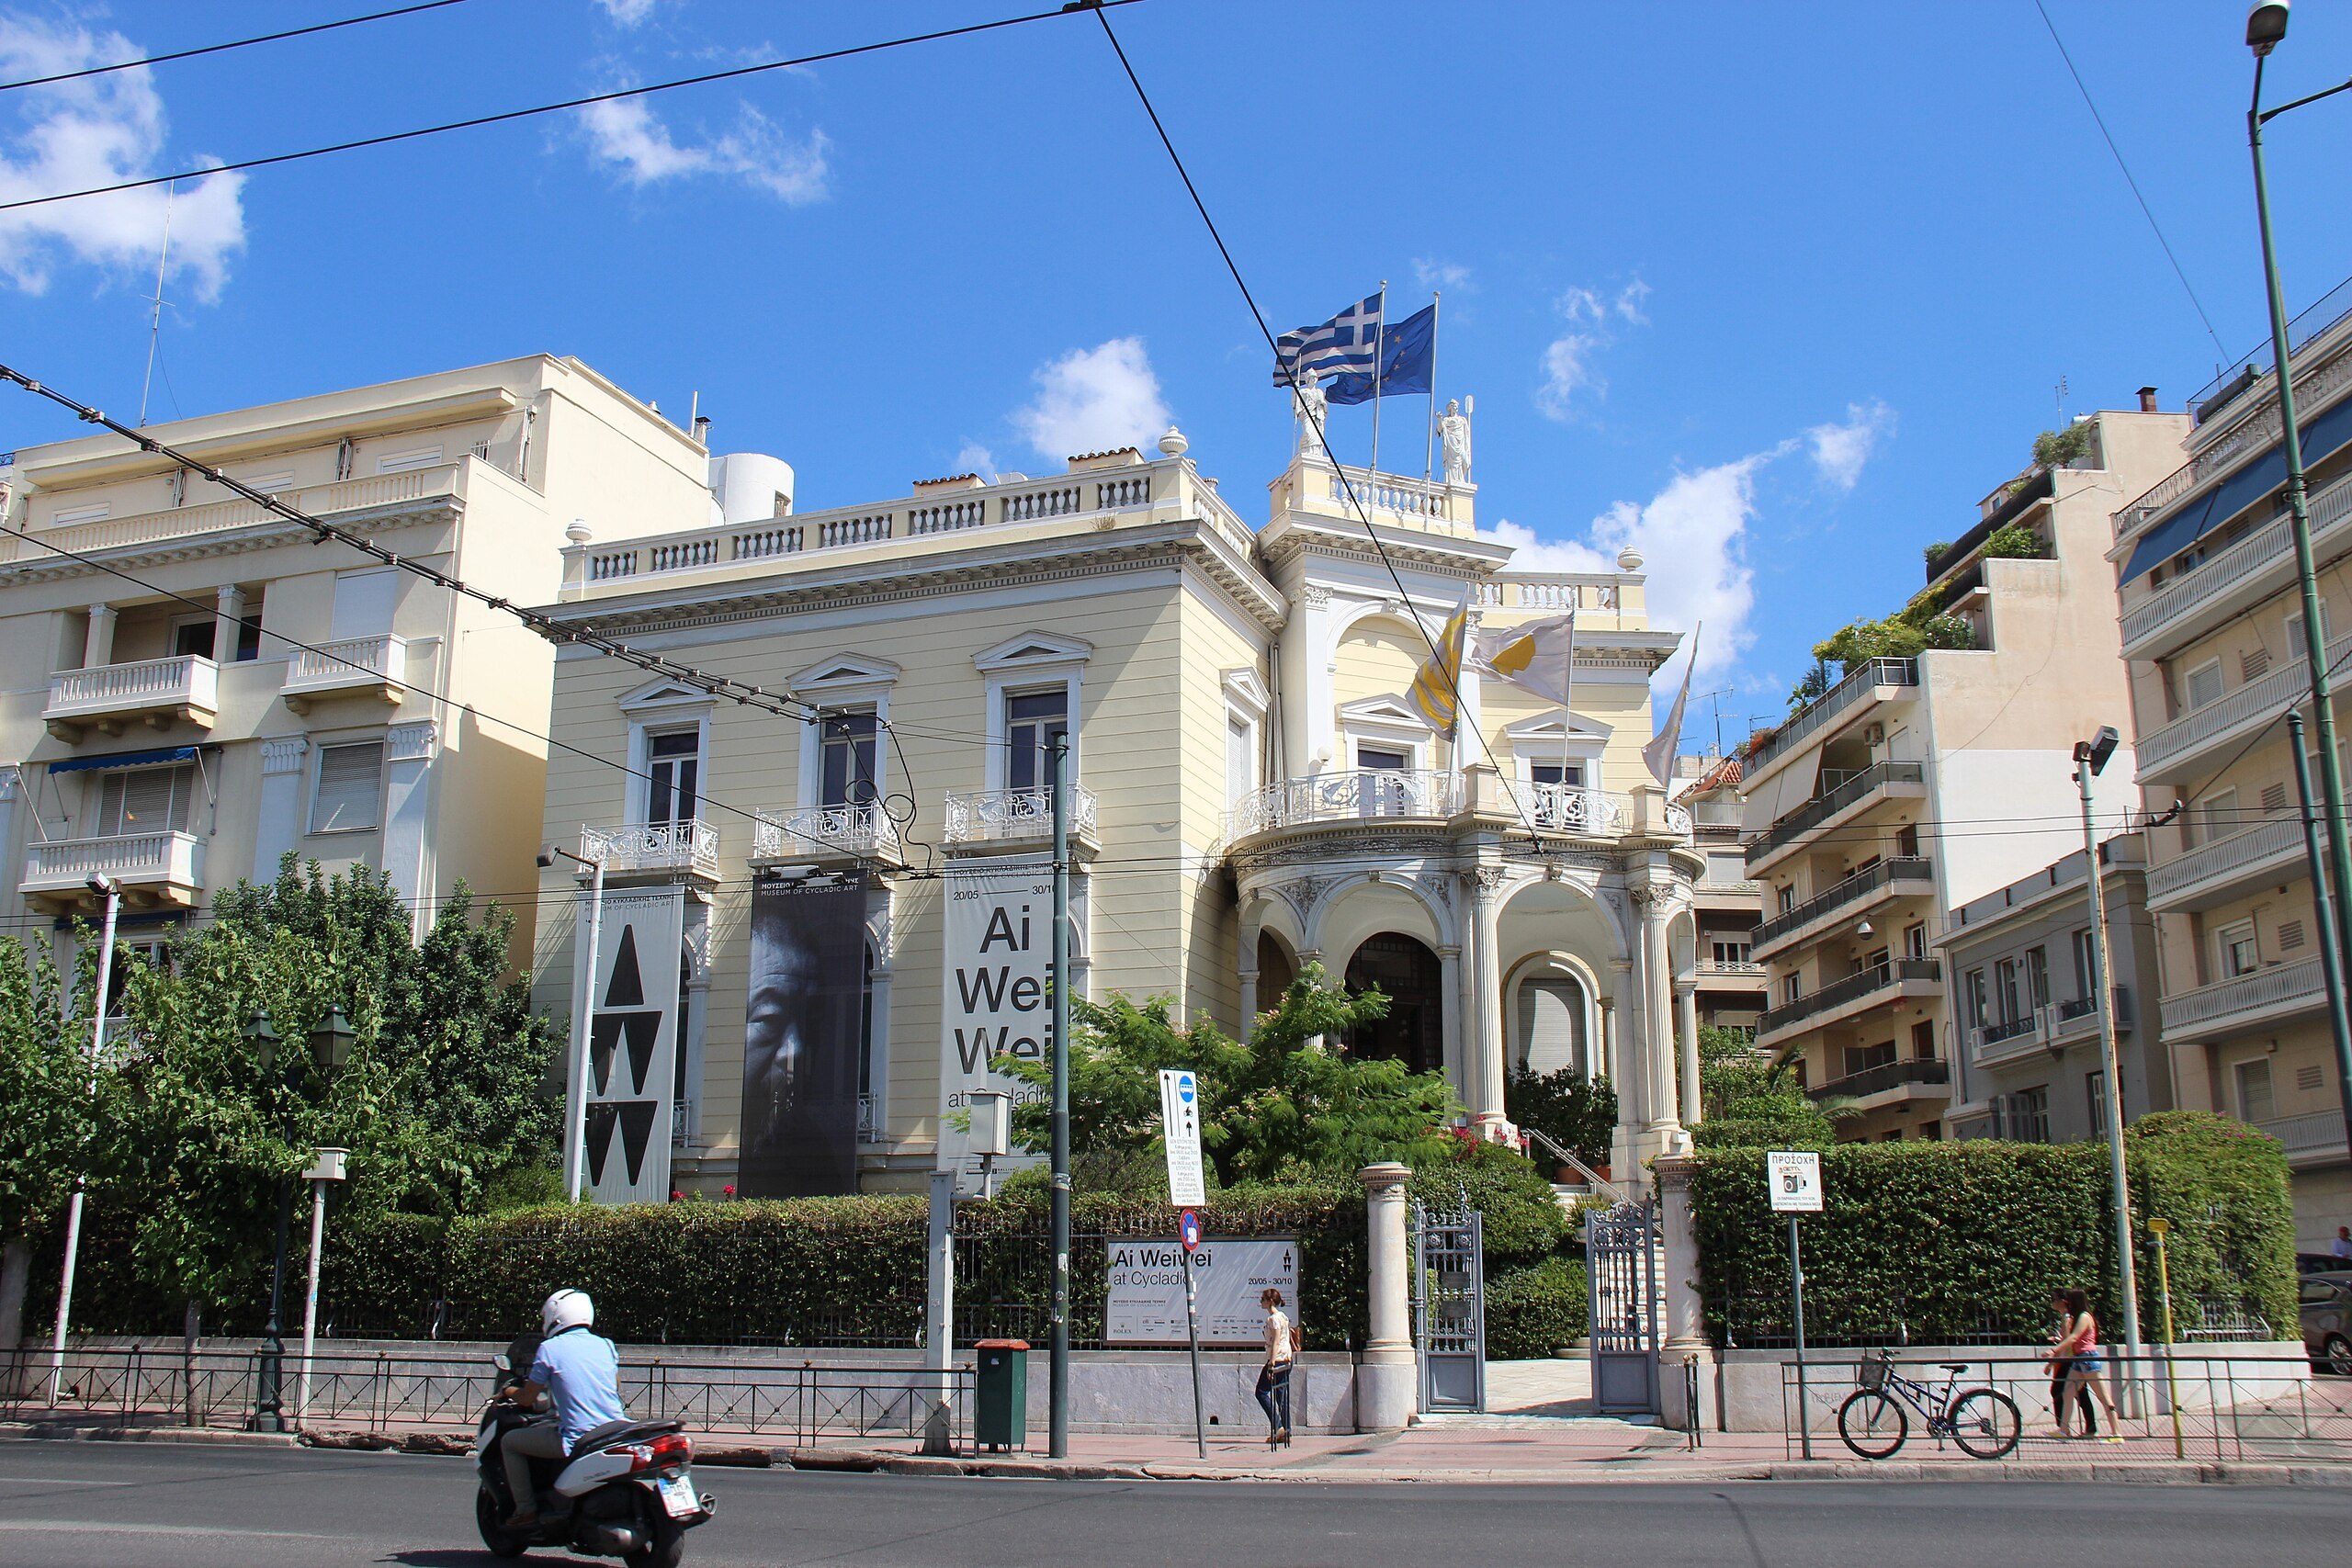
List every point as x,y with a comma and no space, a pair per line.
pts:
146,801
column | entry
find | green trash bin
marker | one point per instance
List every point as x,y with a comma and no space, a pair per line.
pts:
1002,1374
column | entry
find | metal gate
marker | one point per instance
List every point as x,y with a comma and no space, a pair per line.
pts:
1620,1260
1450,1308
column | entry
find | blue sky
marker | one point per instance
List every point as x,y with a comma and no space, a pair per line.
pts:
1774,291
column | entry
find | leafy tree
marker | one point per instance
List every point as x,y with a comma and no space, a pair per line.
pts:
2016,542
44,1135
1578,1113
2056,448
1291,1102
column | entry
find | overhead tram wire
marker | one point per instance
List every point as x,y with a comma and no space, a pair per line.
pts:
506,115
220,48
1347,486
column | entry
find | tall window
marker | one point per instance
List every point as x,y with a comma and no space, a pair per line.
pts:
2239,952
1979,1008
1568,773
1033,721
146,800
193,637
2086,965
674,770
2094,1099
1240,758
2006,982
1729,953
2037,977
848,776
350,792
1915,941
1388,759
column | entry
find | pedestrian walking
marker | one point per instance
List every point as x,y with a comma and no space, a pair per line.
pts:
2341,1247
1273,1377
2060,1366
2080,1346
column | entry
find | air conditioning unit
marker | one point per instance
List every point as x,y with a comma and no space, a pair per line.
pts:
1875,735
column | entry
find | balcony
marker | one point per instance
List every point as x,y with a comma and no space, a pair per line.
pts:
853,834
1907,778
355,667
2047,1028
376,492
2186,746
1863,681
1742,974
2212,873
1900,879
1908,1078
1365,794
153,868
2245,1002
997,820
2257,566
663,850
1894,981
2315,1139
155,691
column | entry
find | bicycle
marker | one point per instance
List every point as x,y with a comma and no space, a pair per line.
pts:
1984,1421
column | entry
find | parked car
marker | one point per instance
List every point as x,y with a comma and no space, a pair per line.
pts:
2321,1263
2326,1302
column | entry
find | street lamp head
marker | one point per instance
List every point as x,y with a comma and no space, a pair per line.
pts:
262,1038
331,1040
102,885
547,855
2095,751
2265,24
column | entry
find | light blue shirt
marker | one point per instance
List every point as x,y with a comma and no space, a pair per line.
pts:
582,1371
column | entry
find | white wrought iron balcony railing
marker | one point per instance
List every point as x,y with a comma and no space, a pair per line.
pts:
1354,795
1564,809
189,685
847,832
148,861
869,1119
349,664
691,845
992,816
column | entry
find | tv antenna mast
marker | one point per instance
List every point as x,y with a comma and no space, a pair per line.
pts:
155,321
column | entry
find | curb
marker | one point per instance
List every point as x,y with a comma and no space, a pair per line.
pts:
67,1431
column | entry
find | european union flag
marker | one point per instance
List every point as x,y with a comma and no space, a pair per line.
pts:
1408,354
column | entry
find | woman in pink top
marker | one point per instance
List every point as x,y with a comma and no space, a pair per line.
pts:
2079,1346
1273,1378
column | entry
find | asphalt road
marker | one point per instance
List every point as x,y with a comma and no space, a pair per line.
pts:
65,1505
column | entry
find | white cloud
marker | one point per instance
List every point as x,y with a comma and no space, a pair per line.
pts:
628,134
1593,321
973,459
628,13
100,130
1434,273
1840,450
1094,400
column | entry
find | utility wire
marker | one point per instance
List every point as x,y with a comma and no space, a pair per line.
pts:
502,117
2145,211
218,48
1347,485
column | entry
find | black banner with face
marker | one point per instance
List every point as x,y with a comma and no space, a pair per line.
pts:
800,1039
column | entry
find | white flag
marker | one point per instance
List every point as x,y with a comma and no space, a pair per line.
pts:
1659,753
1533,657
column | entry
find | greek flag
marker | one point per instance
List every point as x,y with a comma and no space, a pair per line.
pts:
1344,343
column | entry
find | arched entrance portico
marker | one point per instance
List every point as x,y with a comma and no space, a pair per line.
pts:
1403,969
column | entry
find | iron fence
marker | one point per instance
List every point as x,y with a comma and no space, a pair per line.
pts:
2187,1406
139,1385
1759,1320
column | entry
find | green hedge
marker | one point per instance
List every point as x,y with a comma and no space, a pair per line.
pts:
1962,1241
1534,1311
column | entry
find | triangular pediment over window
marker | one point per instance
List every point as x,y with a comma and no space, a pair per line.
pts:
1391,712
1546,727
1032,648
845,669
666,694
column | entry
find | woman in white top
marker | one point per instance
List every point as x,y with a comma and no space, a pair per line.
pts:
1273,1378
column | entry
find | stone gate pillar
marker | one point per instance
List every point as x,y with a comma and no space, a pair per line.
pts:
1682,1335
1387,1386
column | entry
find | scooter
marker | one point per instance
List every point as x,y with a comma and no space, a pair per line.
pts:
626,1491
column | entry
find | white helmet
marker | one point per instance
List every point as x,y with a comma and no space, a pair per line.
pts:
566,1309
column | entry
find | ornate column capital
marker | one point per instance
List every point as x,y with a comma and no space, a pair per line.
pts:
410,743
283,754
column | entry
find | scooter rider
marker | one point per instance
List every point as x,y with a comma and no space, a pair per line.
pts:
581,1369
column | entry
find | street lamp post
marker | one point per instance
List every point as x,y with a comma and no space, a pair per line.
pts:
109,889
328,1045
575,1075
2090,758
2265,25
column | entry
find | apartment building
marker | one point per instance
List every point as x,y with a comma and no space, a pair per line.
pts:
1915,785
2023,990
197,687
833,924
2212,624
1730,982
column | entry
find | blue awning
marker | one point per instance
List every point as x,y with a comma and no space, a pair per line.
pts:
125,759
2321,436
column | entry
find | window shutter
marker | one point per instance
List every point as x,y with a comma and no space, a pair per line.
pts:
350,787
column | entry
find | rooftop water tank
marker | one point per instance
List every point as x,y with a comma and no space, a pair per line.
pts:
751,487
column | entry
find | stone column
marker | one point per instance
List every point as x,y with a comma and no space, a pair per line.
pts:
97,643
1450,1001
408,811
1683,1334
1486,1062
1686,999
1387,1391
278,818
1249,1002
228,616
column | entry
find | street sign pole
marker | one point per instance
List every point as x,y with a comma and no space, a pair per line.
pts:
1793,1181
1180,1134
1190,1235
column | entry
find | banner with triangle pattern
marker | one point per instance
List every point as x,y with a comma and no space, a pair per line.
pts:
632,1045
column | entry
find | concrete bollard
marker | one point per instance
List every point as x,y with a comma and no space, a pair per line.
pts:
1387,1385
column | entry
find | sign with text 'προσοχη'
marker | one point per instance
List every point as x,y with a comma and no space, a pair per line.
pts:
1145,1305
1795,1181
999,961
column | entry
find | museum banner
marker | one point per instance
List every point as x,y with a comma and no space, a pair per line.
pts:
800,1038
998,961
633,1045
